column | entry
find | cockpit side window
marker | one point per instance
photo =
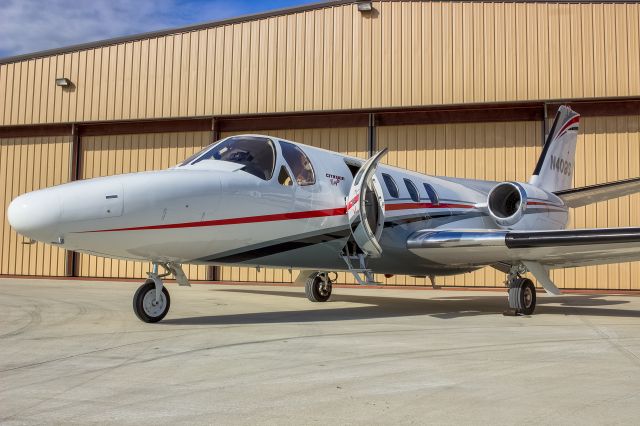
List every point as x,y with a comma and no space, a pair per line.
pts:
299,164
257,154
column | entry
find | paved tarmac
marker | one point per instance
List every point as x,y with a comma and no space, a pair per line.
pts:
73,352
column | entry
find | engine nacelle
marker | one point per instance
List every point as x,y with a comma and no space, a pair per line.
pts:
508,201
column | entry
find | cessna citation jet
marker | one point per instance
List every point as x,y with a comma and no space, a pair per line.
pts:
267,202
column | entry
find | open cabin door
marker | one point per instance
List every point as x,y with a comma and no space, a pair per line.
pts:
365,207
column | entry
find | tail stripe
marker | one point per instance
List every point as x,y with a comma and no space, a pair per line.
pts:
570,125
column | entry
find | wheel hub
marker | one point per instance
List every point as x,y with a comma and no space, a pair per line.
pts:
324,289
151,306
528,297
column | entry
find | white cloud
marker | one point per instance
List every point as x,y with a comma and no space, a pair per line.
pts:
32,25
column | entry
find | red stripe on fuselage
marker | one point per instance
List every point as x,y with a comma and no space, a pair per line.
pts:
542,203
237,220
282,216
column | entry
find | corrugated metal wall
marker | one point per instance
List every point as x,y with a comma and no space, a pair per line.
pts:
608,149
27,164
109,155
404,53
349,141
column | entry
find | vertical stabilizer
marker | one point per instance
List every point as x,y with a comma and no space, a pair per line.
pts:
554,171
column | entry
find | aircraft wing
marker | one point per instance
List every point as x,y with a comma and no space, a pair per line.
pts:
551,249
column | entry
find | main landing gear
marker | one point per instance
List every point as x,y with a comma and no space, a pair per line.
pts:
318,287
522,295
151,301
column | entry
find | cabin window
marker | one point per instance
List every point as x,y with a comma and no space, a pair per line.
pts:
433,195
391,185
257,154
283,178
413,191
298,163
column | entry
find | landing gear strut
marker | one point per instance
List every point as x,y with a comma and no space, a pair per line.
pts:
522,294
318,287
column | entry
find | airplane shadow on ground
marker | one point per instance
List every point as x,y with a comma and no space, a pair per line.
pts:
372,307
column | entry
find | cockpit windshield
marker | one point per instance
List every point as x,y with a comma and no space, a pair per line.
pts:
257,154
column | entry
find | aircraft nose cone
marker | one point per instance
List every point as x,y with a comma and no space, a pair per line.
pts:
36,215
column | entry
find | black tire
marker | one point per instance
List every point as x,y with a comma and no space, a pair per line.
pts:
315,290
522,296
150,315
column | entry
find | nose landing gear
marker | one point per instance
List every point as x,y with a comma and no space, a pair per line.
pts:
151,301
147,306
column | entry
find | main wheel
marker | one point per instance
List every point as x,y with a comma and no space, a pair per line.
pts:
316,289
522,296
145,305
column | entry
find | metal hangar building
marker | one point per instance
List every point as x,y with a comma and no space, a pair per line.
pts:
457,88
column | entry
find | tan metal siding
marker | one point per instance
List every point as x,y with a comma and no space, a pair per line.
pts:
350,141
405,53
27,164
109,155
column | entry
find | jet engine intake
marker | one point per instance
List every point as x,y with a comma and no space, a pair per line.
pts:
506,203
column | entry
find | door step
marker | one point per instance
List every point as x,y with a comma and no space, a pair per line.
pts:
362,274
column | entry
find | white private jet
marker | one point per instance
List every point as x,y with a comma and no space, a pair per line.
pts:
262,201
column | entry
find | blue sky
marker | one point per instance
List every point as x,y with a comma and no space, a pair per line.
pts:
32,25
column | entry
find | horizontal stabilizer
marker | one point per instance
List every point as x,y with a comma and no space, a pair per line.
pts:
579,197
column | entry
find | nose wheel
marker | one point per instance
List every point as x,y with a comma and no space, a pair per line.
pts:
318,287
147,306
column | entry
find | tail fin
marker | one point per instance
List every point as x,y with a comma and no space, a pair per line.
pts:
554,171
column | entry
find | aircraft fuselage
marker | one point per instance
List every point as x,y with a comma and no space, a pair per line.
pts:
213,212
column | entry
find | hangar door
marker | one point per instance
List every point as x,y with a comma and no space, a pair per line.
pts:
27,164
117,154
350,141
